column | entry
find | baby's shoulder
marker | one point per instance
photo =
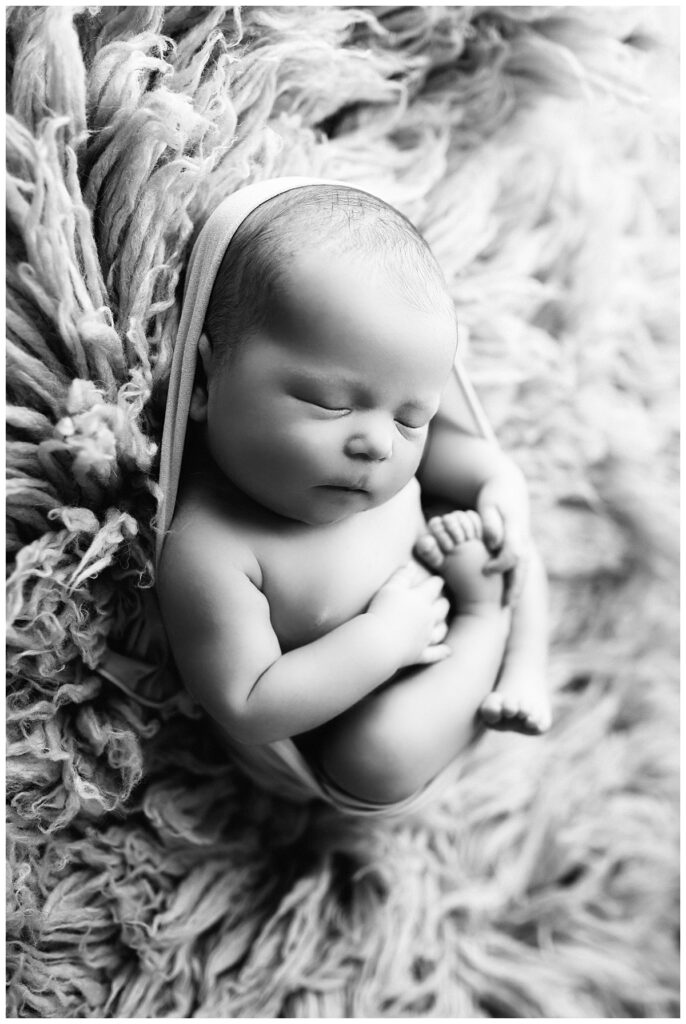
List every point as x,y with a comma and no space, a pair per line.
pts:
200,545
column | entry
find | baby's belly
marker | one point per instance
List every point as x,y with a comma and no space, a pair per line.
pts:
317,579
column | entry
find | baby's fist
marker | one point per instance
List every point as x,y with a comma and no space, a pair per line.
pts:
413,612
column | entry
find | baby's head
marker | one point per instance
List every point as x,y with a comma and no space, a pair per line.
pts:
329,337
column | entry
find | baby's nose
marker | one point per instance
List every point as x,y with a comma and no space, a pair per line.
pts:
374,441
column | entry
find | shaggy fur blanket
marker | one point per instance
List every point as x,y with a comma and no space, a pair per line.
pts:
536,148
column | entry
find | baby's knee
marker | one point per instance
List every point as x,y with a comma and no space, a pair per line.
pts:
372,758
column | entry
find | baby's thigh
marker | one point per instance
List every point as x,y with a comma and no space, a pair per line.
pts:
364,750
386,747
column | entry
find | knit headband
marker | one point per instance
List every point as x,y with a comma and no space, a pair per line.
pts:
206,257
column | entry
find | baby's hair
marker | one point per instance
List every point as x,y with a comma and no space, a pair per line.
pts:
323,218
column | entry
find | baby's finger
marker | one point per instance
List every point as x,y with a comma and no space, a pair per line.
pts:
493,527
442,608
409,575
502,562
436,652
508,588
432,586
477,529
514,582
415,572
508,556
439,633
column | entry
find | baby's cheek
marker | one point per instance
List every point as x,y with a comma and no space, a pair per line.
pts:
319,439
415,449
302,450
404,466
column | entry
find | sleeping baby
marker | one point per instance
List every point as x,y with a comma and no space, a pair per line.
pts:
332,633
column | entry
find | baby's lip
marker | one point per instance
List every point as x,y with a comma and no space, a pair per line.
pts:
347,485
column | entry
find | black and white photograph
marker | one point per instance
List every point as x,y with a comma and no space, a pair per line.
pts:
342,511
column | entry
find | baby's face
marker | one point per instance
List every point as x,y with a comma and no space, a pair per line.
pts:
324,412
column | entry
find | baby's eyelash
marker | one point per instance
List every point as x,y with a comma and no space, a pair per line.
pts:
343,410
320,405
410,426
329,408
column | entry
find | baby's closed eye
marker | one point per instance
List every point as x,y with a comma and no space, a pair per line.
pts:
414,419
342,410
409,426
410,430
329,403
328,406
411,422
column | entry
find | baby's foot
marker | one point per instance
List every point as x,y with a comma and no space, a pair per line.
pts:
520,703
453,547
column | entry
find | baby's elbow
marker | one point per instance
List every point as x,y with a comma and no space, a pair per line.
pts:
239,724
243,713
247,726
251,733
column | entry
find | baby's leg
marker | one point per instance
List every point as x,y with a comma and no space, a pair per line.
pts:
521,701
393,743
523,681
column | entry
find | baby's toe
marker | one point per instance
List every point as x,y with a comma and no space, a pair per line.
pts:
443,538
536,721
543,721
491,709
455,527
428,551
511,707
529,724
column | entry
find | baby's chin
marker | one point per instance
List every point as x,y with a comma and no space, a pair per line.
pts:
326,506
334,514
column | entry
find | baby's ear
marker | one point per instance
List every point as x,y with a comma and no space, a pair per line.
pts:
198,407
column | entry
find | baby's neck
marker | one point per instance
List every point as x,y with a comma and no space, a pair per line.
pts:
202,476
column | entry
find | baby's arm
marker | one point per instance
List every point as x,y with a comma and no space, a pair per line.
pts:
466,472
219,628
456,457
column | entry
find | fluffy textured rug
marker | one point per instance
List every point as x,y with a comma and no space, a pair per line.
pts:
537,149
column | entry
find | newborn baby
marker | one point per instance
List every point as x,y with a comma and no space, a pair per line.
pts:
293,583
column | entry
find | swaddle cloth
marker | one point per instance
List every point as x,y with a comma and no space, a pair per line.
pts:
279,766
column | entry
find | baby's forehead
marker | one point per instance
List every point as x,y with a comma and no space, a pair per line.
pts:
320,282
328,245
339,305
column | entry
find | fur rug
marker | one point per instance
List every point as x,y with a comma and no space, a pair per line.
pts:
537,150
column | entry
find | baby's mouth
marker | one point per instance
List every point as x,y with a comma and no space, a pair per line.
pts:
356,488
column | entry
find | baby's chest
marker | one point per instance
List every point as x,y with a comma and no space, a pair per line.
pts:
320,579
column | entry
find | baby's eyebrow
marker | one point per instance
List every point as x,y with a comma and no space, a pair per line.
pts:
302,374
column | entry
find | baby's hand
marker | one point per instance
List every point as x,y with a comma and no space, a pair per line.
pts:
413,610
503,504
